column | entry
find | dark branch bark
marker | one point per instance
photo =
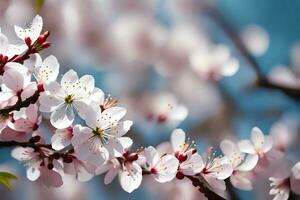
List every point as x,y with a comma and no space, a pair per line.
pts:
22,104
234,37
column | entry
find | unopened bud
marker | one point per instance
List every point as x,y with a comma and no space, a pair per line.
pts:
46,34
41,39
28,41
46,45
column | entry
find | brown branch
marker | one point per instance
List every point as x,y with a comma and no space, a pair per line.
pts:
22,104
234,37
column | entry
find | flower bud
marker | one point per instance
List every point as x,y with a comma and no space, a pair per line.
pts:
41,39
46,45
28,41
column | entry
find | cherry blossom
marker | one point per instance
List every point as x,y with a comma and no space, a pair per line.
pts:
190,162
60,99
15,86
37,168
240,163
29,122
216,170
9,50
163,168
127,167
33,32
103,136
82,170
214,63
47,70
62,138
259,144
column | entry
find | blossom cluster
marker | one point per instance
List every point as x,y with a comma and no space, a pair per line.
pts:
32,92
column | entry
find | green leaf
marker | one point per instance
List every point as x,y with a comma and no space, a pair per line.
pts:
5,178
39,4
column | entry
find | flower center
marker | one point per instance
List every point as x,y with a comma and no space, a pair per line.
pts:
69,99
98,132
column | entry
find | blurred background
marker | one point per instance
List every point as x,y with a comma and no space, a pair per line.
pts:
139,52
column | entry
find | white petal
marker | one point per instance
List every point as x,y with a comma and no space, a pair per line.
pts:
249,163
48,71
131,177
33,172
22,153
88,82
228,147
60,139
81,135
63,116
111,116
122,128
3,44
151,155
36,27
177,139
241,182
20,32
13,79
166,168
110,175
268,144
97,96
68,79
192,165
257,138
214,182
246,147
50,102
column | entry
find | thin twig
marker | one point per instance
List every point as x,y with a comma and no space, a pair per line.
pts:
262,81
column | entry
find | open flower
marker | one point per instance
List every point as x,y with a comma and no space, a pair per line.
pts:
240,163
216,170
62,138
214,63
190,162
37,167
47,70
82,170
9,50
15,86
29,122
259,144
33,32
127,167
103,137
60,99
164,168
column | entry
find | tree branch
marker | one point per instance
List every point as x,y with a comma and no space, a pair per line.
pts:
22,104
262,81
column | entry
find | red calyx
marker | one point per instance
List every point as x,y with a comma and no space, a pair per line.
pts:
180,175
40,87
132,157
35,127
153,171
